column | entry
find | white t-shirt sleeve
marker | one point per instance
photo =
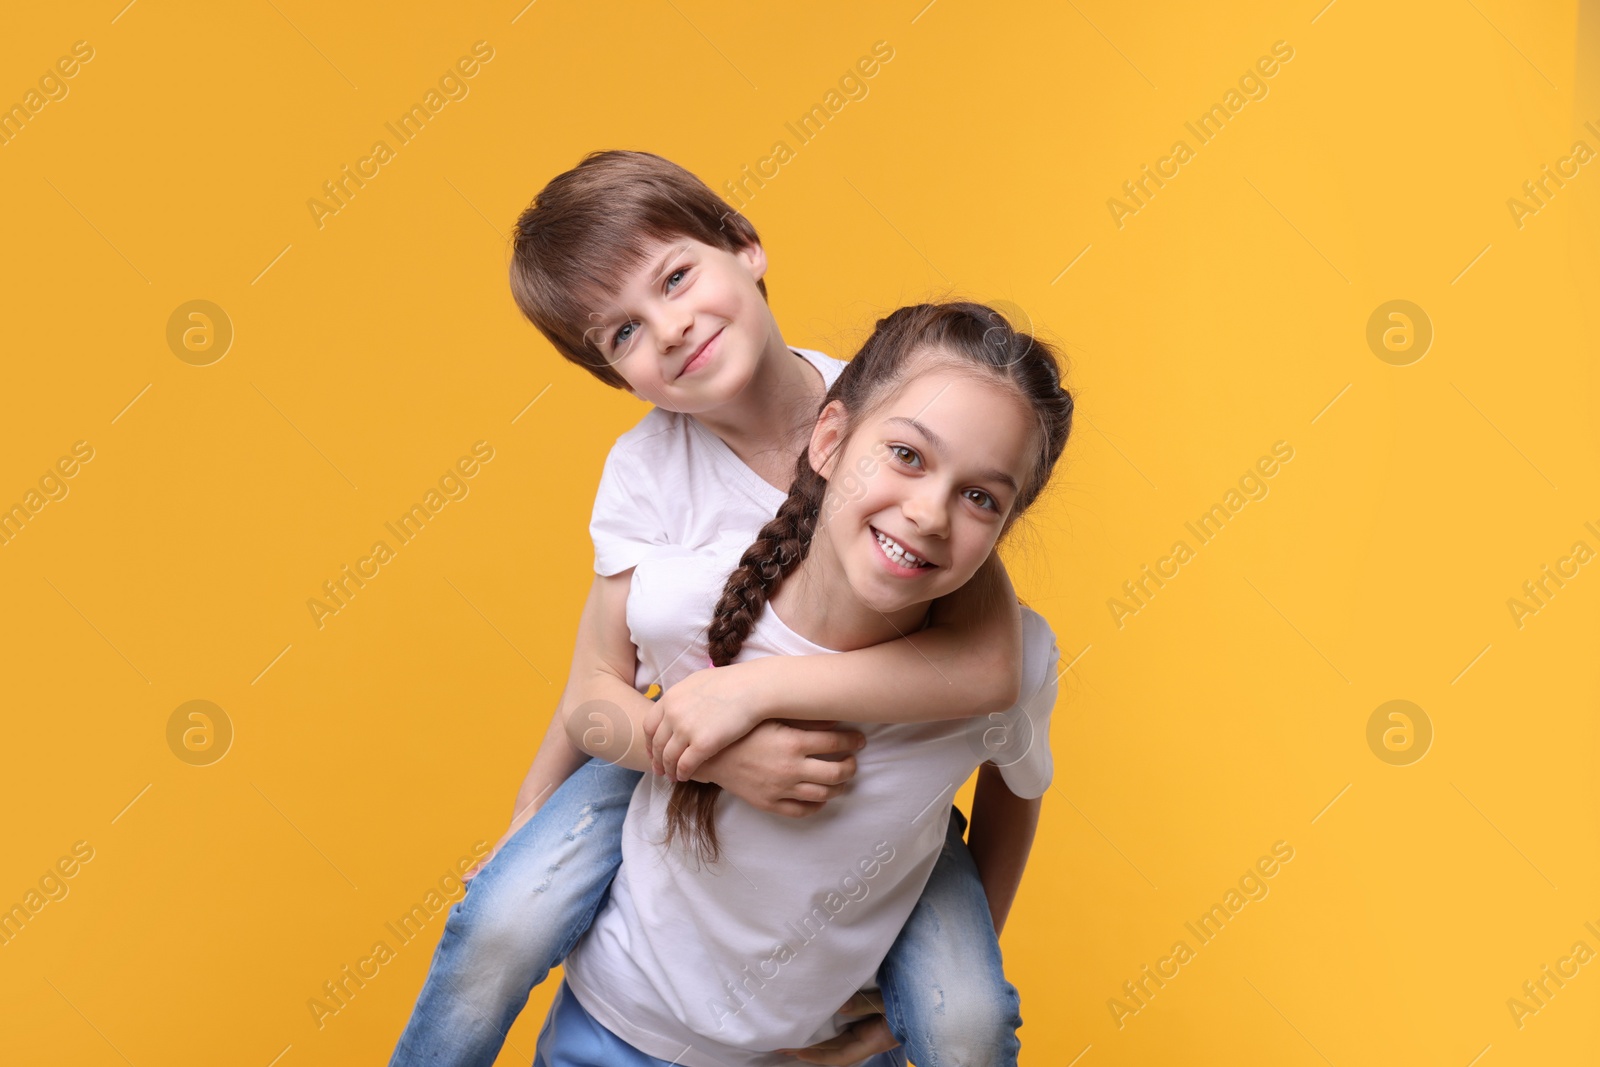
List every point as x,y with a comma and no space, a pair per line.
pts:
626,525
1023,754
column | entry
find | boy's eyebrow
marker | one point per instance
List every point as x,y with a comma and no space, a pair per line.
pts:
993,474
671,253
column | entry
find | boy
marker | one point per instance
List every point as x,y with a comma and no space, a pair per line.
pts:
636,271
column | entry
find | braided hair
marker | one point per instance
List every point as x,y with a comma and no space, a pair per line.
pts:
973,338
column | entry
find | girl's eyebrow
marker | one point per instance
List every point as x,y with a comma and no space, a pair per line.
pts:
993,474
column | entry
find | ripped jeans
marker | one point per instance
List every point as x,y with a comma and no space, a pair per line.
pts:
945,995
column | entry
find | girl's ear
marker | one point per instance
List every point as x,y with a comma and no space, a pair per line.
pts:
754,258
826,438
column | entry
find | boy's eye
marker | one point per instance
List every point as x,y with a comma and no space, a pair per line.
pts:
624,332
676,275
906,454
982,499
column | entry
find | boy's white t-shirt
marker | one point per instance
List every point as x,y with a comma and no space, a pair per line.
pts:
671,484
716,966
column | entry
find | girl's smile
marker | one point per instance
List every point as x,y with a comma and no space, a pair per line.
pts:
900,560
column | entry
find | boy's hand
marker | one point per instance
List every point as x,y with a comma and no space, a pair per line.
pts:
473,871
776,768
866,1038
700,716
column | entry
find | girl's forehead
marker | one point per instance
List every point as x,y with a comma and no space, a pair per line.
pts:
941,392
970,418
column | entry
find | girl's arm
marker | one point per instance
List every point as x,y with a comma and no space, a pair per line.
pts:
967,661
1000,836
601,714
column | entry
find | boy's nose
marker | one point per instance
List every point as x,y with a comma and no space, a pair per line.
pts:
672,326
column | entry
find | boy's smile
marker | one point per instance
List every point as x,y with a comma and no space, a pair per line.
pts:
700,356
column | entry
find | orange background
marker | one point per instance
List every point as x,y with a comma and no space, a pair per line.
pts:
1228,313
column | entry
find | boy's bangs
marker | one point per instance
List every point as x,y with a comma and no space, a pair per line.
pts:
595,272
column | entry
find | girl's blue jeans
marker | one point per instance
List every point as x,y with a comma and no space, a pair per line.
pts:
945,994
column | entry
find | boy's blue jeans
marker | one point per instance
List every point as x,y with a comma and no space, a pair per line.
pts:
945,995
573,1038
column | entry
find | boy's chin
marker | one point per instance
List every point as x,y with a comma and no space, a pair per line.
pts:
720,387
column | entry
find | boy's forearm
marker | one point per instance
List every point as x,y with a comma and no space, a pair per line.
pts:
605,718
968,661
556,761
1000,836
601,713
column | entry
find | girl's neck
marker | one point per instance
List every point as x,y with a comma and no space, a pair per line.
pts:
767,425
816,601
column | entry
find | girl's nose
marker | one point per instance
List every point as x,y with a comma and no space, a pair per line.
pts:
928,513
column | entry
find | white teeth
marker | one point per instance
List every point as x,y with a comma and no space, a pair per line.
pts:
897,552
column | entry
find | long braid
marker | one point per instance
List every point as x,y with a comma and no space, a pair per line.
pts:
776,551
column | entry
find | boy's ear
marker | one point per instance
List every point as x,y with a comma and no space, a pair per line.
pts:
826,437
754,258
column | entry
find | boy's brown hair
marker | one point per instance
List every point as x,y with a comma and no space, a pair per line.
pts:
593,225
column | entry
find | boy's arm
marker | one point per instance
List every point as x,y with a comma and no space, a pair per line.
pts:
967,661
601,707
1000,836
556,761
559,756
776,768
553,764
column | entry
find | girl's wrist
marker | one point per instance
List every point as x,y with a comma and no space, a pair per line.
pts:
762,698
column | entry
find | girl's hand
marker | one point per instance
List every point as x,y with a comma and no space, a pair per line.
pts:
776,767
866,1038
700,716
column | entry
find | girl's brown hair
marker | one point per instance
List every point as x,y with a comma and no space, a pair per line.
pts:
970,337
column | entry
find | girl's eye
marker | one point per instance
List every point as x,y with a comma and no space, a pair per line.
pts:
906,454
677,274
982,499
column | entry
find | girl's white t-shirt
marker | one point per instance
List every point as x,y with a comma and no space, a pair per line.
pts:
670,484
714,966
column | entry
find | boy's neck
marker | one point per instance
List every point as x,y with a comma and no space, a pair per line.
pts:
770,422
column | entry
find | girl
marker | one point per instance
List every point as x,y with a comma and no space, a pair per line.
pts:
730,934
